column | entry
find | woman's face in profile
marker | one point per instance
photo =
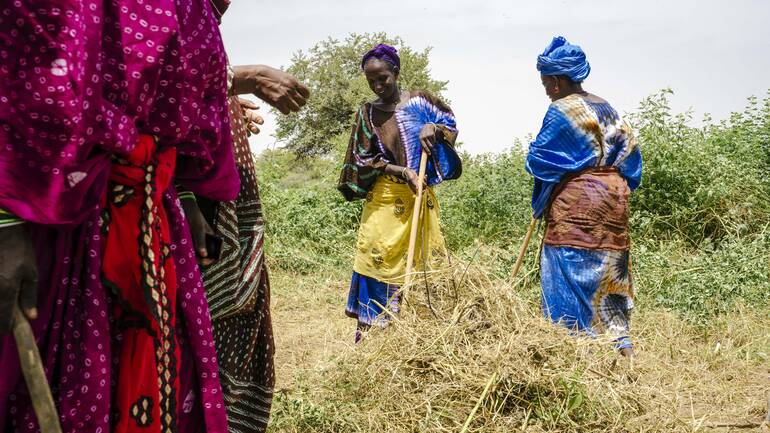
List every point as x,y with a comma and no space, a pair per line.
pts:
551,86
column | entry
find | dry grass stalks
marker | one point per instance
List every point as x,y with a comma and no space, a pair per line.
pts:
487,361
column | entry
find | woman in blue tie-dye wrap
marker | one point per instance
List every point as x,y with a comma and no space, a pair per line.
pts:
585,162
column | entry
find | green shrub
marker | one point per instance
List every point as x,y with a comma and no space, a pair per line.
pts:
702,185
310,227
489,203
700,221
704,283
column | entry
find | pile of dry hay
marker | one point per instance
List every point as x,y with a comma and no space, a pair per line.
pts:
490,363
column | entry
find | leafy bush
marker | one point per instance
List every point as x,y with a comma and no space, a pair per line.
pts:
310,227
332,71
707,282
703,185
700,220
489,203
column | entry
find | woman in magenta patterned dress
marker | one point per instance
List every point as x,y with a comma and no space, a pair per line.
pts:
102,104
238,284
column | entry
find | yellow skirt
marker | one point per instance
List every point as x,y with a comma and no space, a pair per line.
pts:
383,237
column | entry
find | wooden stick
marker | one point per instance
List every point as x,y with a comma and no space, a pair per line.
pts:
523,249
32,367
415,220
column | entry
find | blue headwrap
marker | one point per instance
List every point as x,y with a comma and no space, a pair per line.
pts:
563,58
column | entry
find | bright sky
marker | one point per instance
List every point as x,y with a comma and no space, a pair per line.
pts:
712,53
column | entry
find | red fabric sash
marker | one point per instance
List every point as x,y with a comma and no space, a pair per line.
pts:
138,271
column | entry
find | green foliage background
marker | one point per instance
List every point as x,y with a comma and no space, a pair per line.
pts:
700,220
332,71
700,229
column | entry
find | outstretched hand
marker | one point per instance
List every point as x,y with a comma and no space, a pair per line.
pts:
18,275
278,88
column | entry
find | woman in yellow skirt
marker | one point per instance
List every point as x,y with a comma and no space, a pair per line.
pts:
380,166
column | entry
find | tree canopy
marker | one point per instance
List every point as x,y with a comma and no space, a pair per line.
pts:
332,71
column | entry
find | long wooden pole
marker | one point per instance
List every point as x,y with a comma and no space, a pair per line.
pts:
34,375
415,220
523,249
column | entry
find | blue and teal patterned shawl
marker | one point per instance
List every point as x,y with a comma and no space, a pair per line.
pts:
367,155
443,163
580,132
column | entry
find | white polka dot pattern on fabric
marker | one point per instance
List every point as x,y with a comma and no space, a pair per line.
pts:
82,75
58,68
79,80
194,311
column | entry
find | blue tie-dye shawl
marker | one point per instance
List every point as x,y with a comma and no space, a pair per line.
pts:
578,133
367,156
443,163
584,289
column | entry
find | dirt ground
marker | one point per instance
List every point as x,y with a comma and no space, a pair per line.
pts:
309,324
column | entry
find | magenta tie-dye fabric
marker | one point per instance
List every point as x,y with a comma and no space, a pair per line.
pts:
79,81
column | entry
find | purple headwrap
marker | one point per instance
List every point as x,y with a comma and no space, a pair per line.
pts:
383,52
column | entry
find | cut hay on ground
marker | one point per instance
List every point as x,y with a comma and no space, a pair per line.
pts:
492,364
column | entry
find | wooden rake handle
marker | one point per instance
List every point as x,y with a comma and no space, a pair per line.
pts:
34,375
415,220
523,249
